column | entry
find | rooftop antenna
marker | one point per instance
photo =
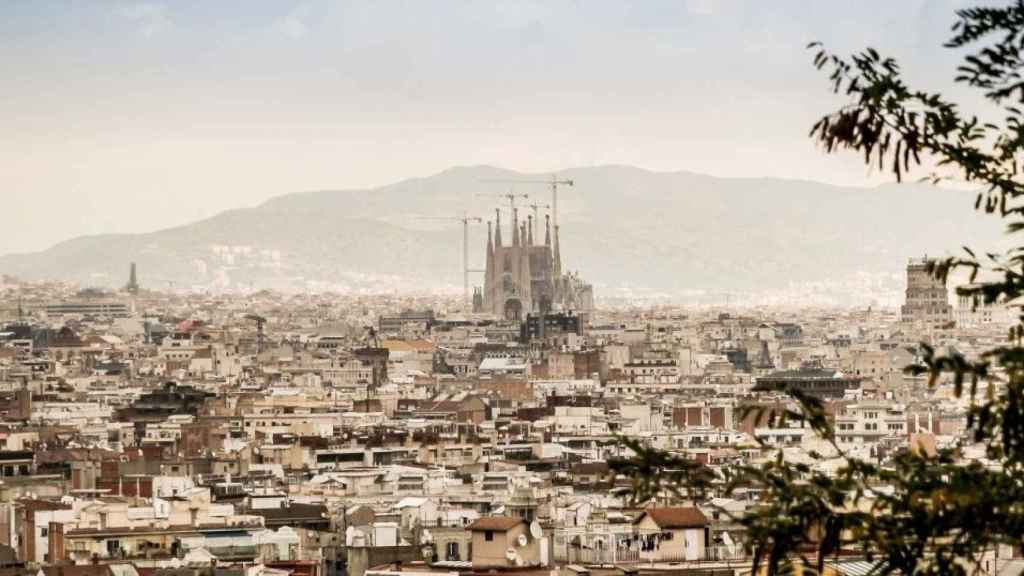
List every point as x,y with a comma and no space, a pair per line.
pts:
554,182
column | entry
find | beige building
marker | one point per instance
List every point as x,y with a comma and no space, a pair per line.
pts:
451,543
672,534
115,528
501,541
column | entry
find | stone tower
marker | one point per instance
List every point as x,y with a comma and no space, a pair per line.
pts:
133,281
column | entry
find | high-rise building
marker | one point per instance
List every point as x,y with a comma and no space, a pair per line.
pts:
133,281
526,277
927,299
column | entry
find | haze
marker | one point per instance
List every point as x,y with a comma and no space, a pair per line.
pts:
133,116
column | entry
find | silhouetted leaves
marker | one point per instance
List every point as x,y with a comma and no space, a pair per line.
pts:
914,512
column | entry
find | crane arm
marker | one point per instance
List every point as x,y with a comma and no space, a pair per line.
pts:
565,182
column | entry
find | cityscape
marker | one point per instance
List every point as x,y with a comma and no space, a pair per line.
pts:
573,367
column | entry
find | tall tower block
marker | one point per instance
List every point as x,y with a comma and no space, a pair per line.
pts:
133,281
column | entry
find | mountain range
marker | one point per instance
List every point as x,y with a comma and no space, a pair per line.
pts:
627,230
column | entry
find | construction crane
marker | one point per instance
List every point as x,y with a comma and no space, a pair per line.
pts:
466,221
554,182
511,195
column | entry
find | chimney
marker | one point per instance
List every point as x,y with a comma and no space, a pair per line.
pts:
28,540
56,543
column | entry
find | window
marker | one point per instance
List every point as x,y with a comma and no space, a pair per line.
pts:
488,535
452,551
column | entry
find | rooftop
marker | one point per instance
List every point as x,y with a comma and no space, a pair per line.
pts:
495,523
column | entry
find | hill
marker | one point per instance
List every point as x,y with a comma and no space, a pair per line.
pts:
625,229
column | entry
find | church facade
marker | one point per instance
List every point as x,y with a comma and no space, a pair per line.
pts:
525,277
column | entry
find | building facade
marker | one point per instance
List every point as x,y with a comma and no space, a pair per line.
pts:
927,299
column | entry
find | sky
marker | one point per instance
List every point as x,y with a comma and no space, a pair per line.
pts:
131,116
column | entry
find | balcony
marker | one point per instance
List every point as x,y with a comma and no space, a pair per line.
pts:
233,553
591,556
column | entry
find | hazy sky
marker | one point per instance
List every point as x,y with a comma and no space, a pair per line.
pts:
132,116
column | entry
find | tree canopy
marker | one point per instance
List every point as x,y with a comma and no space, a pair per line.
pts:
916,511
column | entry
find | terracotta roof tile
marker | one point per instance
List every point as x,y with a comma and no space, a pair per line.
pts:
495,523
676,517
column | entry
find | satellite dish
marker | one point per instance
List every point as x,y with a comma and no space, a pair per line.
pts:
535,530
521,540
510,554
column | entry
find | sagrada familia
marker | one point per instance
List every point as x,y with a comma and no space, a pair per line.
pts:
526,278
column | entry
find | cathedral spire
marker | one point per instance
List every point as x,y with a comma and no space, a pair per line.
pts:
497,227
529,230
515,227
489,268
557,256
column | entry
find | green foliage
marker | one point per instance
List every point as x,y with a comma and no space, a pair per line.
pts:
914,512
